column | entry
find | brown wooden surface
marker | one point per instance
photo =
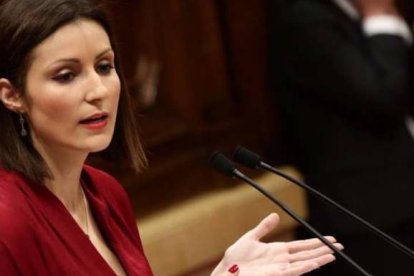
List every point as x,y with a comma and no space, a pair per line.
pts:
190,238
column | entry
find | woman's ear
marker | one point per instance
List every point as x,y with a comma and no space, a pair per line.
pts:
11,97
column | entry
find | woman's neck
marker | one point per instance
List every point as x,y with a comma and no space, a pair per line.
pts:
65,167
66,186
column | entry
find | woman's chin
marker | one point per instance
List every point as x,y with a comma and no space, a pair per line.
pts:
99,145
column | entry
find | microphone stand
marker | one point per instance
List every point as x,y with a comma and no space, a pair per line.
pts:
252,160
225,166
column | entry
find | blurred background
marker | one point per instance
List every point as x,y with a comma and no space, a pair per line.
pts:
197,70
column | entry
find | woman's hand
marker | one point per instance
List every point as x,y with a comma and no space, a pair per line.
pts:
249,256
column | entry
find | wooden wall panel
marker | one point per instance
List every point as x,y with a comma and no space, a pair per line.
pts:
245,25
193,59
211,93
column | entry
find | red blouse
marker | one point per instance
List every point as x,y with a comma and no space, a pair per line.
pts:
38,236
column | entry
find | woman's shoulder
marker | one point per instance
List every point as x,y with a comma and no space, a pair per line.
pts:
19,242
13,221
13,206
10,193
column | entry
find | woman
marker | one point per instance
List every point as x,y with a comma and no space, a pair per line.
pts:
61,97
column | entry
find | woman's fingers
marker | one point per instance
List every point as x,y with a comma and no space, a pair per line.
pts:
323,260
281,269
302,267
266,226
277,258
301,245
314,253
299,270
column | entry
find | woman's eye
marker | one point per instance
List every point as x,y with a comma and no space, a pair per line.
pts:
104,68
65,77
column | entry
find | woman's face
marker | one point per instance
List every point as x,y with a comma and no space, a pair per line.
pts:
72,89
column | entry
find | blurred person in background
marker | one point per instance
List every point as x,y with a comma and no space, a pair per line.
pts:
340,70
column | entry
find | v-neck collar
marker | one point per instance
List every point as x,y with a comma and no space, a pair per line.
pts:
67,229
99,207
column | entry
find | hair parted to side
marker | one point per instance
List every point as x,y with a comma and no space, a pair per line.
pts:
23,25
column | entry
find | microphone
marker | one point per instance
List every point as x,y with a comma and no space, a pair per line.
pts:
254,161
222,164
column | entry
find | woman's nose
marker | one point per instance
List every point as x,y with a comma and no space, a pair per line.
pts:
97,89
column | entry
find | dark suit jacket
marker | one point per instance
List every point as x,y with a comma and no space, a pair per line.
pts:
344,99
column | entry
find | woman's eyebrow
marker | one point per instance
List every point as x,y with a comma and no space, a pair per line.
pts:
76,60
104,52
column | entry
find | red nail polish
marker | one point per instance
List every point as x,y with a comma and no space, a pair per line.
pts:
233,269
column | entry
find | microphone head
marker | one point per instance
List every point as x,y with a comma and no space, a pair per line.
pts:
221,163
246,157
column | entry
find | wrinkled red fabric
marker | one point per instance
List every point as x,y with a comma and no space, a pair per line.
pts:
38,236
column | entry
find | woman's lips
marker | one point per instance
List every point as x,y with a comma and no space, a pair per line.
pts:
96,121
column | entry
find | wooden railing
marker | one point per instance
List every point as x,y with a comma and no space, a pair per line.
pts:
190,237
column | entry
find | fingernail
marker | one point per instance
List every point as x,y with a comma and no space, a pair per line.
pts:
233,269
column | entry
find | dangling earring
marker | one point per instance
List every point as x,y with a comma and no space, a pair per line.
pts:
23,131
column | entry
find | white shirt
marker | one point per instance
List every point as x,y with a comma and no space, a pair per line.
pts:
377,24
381,24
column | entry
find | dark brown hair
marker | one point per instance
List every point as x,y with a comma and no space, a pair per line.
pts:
23,25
